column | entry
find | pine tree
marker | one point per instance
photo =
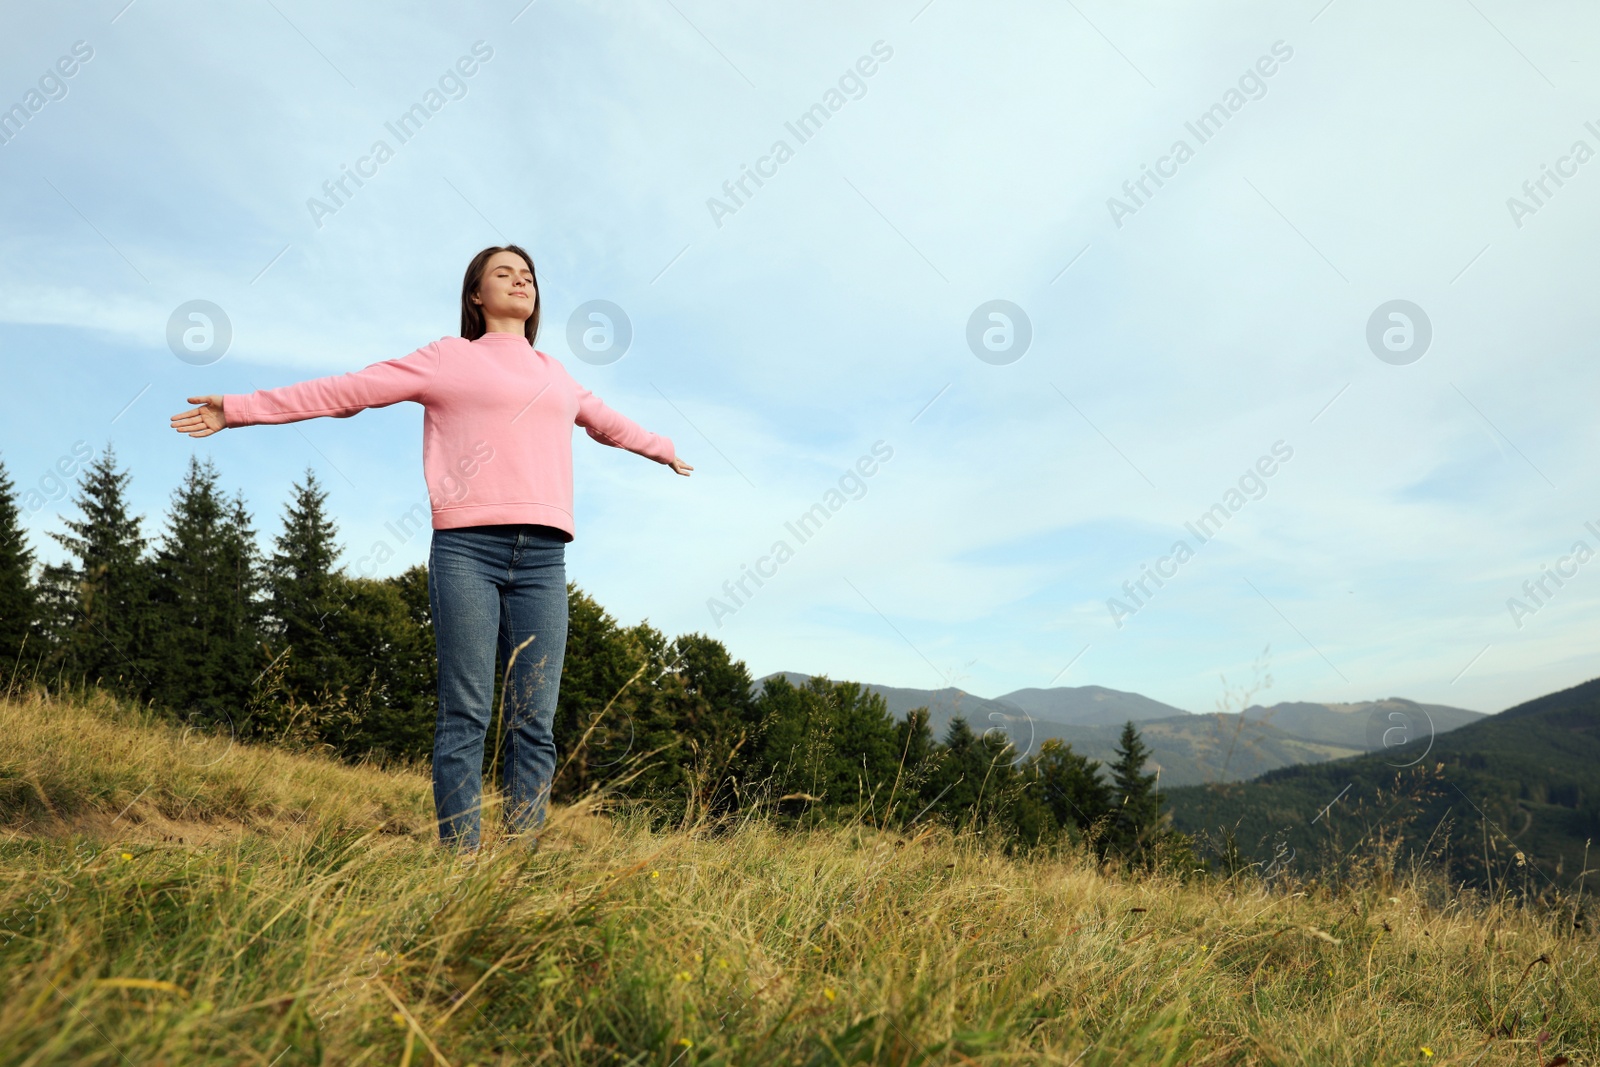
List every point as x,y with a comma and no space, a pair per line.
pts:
1071,786
206,588
243,654
1001,787
916,761
305,596
1136,823
392,660
679,719
102,598
656,721
390,619
975,781
831,746
864,755
19,600
798,747
708,693
777,764
597,727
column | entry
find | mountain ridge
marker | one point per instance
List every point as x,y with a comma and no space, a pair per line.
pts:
1187,748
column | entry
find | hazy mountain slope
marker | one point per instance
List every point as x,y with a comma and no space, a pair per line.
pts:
1360,726
1526,780
1089,705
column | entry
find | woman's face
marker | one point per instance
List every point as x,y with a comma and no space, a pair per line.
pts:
506,289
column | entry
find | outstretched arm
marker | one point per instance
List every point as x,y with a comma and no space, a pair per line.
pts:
337,396
612,428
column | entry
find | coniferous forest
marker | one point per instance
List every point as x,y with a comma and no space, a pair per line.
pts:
269,640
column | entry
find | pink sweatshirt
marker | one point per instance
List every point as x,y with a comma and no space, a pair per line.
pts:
496,428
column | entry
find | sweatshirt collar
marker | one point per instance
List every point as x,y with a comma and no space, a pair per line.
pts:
513,340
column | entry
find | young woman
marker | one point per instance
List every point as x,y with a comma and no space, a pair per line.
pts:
497,456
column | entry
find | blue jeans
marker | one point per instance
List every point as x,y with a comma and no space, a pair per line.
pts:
491,588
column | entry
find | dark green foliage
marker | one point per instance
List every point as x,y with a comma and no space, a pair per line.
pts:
824,748
706,694
979,782
396,696
306,597
866,755
19,596
647,750
205,595
350,660
414,666
917,761
1071,787
1139,831
667,721
1136,815
596,729
102,618
966,774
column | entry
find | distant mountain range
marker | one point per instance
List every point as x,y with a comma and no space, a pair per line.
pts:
1512,798
1188,749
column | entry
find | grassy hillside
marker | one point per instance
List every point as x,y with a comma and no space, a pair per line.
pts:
1514,797
179,899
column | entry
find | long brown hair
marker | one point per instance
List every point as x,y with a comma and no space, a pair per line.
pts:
472,325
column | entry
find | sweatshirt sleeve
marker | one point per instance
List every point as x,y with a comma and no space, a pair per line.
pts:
617,430
340,395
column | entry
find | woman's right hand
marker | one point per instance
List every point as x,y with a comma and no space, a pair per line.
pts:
202,421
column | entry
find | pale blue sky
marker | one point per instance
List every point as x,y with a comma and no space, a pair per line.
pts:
830,311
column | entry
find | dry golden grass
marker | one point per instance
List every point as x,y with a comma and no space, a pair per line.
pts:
308,916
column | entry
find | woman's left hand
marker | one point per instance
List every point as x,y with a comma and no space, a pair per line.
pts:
680,466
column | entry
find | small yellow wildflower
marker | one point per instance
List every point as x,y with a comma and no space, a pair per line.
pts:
126,856
1427,1052
684,976
399,1020
655,874
827,992
685,1042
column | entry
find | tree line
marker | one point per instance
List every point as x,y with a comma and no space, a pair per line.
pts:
285,647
